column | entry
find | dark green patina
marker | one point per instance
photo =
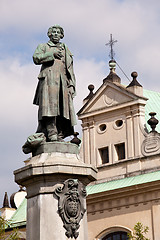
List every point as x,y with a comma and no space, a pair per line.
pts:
56,87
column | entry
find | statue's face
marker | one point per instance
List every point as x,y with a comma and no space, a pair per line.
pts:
56,35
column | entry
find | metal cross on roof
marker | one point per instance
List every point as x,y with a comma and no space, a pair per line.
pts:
111,43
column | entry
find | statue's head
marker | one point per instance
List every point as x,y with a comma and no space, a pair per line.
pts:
55,30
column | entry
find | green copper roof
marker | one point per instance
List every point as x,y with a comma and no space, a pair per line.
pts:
122,183
19,217
152,106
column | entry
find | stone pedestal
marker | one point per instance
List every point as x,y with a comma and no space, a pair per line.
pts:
42,176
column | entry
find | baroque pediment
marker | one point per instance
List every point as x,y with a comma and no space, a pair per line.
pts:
108,95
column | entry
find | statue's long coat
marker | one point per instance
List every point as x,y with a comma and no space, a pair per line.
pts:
55,79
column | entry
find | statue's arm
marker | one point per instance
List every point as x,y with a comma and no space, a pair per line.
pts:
41,55
72,83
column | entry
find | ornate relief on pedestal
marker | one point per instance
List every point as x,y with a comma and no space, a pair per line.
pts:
71,205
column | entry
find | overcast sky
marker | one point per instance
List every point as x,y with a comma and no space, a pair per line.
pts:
88,25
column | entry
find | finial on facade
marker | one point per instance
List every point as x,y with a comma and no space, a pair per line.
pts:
112,65
111,43
76,140
5,201
90,95
152,121
134,75
112,77
134,82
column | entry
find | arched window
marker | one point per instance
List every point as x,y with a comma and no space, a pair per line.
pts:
119,235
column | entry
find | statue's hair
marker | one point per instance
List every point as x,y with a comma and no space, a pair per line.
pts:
55,26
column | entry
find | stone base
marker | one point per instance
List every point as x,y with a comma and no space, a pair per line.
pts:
62,147
41,176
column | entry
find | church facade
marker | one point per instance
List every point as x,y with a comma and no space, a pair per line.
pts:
116,140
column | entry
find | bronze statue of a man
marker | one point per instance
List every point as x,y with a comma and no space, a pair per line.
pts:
56,87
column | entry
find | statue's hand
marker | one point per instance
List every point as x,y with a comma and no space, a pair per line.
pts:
57,53
71,90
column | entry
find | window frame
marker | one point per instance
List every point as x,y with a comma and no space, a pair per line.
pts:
100,155
113,229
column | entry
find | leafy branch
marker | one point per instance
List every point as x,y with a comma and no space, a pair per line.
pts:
3,225
139,232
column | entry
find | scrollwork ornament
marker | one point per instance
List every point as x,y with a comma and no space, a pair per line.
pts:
71,205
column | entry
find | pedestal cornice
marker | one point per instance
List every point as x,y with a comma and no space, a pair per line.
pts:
51,168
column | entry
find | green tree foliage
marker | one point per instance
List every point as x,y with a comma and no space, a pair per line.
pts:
139,232
3,225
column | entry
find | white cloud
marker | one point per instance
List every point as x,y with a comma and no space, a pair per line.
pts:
17,84
88,72
87,23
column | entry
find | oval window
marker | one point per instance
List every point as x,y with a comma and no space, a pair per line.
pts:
102,128
119,123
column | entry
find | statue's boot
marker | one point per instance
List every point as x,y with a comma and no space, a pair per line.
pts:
51,129
60,137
